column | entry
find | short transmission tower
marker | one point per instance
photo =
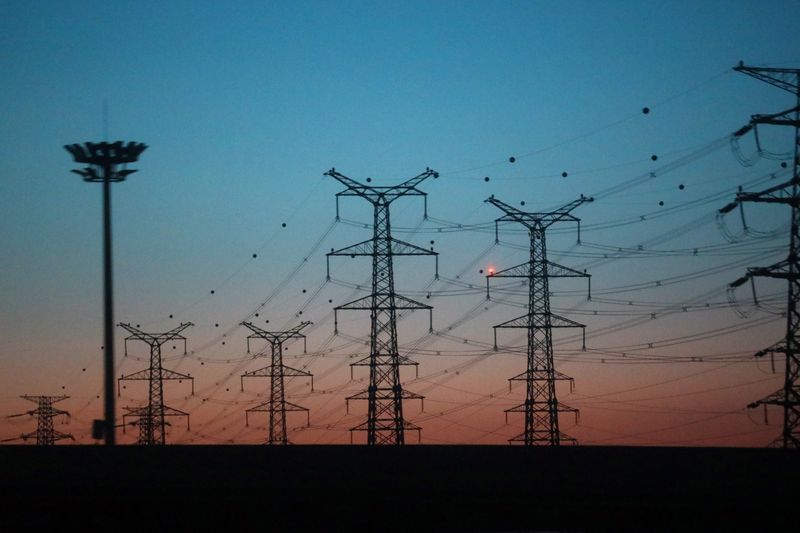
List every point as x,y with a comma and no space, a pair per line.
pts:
385,423
45,434
151,419
541,407
787,193
277,406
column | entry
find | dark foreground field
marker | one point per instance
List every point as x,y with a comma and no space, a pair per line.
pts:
414,488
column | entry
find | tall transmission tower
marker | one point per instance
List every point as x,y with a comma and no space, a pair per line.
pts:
385,423
541,406
786,193
45,434
104,161
151,419
277,406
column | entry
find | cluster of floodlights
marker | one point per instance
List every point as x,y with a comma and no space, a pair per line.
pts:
104,156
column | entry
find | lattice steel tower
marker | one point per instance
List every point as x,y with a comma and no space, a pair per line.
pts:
151,418
277,406
541,406
787,193
385,423
45,434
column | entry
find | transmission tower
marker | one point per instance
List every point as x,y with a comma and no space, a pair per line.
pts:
385,394
541,407
151,418
104,161
277,406
787,193
45,434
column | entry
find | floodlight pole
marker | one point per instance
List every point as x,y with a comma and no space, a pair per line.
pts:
104,159
108,317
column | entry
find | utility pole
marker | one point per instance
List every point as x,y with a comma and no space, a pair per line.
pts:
277,406
45,434
786,193
541,406
151,418
104,161
385,423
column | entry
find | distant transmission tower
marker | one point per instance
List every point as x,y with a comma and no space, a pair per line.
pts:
151,418
541,407
46,434
787,193
276,371
385,423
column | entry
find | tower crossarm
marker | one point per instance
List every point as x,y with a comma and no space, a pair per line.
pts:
367,248
155,338
45,406
781,193
776,398
778,347
787,79
526,321
382,302
147,375
782,118
540,321
525,376
382,195
266,372
538,220
554,270
279,373
58,435
401,302
138,412
365,395
36,399
777,194
780,270
275,337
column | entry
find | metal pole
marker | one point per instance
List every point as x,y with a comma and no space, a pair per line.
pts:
108,314
103,160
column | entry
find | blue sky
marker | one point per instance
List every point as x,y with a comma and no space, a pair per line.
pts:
245,105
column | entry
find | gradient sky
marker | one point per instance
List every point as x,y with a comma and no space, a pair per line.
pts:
245,105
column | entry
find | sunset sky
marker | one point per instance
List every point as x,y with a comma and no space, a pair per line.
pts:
244,106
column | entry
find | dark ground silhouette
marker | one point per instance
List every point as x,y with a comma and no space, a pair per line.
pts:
411,488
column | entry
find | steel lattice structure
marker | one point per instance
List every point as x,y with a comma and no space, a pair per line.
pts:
151,418
385,423
786,193
277,406
45,434
541,406
107,163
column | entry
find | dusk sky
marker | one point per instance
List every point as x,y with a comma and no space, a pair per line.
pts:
244,106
